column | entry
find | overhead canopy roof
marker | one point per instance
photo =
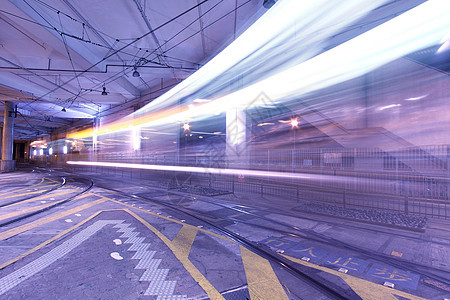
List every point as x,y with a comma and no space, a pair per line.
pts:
61,54
58,58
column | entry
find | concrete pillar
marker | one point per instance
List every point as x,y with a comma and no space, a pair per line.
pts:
7,163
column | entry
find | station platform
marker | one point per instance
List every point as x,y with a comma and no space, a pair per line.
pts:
85,236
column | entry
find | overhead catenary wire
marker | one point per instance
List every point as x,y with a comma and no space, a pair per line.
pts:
123,47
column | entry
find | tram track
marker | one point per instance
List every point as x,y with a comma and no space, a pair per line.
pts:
336,293
46,191
311,235
89,185
294,231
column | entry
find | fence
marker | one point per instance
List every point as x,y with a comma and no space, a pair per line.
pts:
411,180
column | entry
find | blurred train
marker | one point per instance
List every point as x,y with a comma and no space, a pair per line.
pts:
363,111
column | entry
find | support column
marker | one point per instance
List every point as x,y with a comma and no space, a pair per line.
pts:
7,163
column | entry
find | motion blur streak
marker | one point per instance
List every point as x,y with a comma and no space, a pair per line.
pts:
304,22
289,33
418,28
206,170
385,43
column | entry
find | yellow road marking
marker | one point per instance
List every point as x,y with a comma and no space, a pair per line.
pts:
19,229
31,209
39,191
168,219
24,194
185,238
182,256
116,193
52,180
262,281
37,198
24,188
24,211
61,234
365,289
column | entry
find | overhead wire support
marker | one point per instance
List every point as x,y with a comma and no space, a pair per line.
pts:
68,53
125,46
114,77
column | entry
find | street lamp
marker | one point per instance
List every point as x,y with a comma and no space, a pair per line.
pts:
186,127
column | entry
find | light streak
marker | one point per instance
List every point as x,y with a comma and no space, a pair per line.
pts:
416,98
283,22
389,106
254,173
389,41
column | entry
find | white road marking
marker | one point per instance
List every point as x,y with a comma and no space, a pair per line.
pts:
18,276
158,286
116,256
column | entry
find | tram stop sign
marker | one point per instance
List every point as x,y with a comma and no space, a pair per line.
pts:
241,178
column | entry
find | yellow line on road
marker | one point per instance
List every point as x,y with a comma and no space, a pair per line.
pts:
185,238
52,180
168,219
182,256
24,194
31,209
19,229
24,188
38,198
365,289
24,211
262,281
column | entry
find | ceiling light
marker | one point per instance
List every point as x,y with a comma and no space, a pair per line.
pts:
294,122
136,73
104,93
63,109
268,3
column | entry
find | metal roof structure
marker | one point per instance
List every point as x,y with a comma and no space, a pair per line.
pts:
62,61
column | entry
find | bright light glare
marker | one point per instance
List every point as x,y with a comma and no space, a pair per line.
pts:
65,149
186,126
445,46
389,106
136,138
50,151
41,151
34,152
294,122
256,173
